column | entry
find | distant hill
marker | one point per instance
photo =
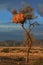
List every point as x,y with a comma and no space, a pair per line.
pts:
7,43
14,43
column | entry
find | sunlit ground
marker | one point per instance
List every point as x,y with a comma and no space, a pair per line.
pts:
18,55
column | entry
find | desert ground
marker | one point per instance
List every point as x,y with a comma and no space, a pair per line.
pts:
18,55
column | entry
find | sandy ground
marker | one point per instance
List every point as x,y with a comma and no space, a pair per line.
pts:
8,58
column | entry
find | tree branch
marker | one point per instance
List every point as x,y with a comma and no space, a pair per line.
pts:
32,25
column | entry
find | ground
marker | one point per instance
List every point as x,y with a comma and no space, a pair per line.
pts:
18,55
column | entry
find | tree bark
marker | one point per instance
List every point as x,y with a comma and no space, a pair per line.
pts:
28,42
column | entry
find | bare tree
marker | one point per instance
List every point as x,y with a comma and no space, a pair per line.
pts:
25,14
28,11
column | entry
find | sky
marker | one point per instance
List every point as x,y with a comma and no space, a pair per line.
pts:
6,6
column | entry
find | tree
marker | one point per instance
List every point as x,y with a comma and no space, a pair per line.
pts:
28,39
20,17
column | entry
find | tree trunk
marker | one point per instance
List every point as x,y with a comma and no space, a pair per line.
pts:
28,42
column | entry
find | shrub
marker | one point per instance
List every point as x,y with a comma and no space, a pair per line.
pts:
19,58
6,50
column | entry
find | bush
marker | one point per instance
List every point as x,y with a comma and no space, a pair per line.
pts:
19,58
6,50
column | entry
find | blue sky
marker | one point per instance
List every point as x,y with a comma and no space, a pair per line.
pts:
6,15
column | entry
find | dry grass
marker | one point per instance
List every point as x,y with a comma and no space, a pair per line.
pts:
17,55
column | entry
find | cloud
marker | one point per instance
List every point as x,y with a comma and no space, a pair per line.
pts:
5,28
23,3
4,5
40,33
7,6
40,9
8,26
